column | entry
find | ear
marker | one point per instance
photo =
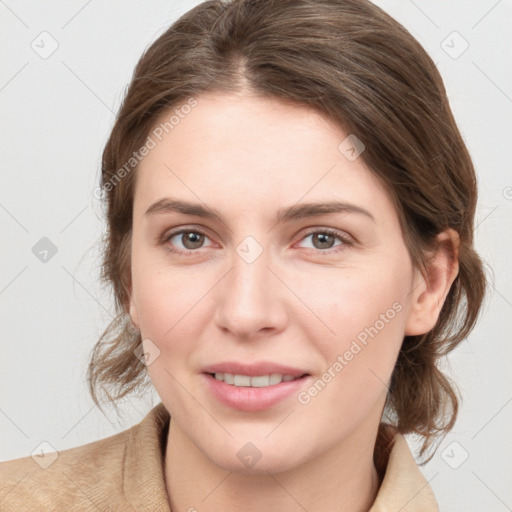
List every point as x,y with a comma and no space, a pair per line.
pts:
133,312
430,290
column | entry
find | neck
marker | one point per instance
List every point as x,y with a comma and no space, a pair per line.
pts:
343,479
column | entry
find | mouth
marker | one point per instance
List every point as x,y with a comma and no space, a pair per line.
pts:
252,393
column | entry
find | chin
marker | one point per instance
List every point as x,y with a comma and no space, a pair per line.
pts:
253,458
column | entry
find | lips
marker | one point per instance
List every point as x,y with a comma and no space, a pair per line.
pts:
251,398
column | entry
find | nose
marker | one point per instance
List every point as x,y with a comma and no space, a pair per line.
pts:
251,300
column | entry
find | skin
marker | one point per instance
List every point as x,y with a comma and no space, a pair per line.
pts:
248,157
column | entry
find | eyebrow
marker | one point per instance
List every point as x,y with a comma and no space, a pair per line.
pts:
297,211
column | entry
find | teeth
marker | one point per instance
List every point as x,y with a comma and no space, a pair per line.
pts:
276,378
258,381
242,380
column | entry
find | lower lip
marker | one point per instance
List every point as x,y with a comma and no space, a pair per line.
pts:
249,399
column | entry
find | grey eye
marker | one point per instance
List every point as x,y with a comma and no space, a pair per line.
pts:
324,240
189,240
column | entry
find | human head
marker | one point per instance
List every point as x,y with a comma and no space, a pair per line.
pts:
351,62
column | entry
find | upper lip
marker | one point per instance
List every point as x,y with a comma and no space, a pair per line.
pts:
254,369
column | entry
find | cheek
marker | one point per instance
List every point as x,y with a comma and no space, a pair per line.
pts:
166,300
365,313
169,309
350,301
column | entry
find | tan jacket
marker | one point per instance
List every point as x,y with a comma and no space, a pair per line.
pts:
125,472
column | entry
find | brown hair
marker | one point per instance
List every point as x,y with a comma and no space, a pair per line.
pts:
352,62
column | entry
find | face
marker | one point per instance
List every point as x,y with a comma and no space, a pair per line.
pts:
271,282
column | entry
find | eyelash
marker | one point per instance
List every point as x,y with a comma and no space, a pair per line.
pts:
343,238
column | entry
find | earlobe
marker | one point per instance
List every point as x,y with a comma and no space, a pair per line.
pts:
430,290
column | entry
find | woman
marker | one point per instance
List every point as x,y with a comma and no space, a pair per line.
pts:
290,215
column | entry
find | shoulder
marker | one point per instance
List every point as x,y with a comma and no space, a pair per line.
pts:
120,472
55,480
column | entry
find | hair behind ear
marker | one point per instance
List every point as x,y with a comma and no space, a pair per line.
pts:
422,399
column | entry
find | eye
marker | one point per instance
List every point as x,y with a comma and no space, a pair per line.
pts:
190,240
323,240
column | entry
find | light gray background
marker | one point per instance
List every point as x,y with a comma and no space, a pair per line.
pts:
56,113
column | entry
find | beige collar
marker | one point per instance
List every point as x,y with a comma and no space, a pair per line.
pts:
404,488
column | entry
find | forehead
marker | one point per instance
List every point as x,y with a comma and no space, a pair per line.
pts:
238,125
245,151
